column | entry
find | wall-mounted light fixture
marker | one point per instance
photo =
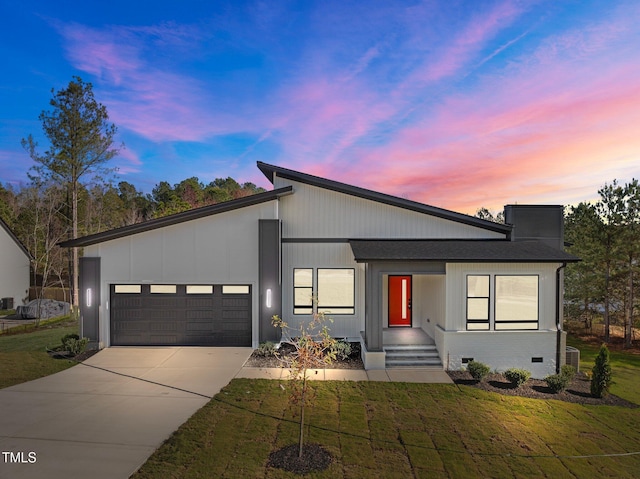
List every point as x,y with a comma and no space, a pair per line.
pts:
268,298
88,297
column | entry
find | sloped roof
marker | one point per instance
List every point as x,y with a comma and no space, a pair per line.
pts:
270,171
15,239
177,218
487,251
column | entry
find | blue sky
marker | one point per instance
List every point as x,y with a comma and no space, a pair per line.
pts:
455,104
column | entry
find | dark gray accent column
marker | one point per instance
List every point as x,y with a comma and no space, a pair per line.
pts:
373,308
270,287
90,297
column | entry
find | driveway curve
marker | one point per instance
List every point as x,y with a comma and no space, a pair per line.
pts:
103,418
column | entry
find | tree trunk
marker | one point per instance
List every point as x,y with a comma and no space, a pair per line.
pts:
74,266
628,334
304,392
607,336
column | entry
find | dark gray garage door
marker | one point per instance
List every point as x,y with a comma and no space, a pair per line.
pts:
180,315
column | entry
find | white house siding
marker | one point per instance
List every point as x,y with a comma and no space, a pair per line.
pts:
14,272
499,349
429,302
322,255
218,249
313,212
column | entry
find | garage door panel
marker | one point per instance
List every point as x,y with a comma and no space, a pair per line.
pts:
180,317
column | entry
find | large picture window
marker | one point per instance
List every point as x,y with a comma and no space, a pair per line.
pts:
516,300
478,302
336,291
303,291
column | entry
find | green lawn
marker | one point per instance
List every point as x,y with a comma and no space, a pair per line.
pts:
409,430
23,355
625,365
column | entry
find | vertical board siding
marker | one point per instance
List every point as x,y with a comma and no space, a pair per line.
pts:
322,255
218,249
313,212
429,303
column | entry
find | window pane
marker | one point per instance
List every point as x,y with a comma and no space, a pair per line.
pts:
484,326
517,301
233,289
199,289
336,290
478,308
303,297
478,286
128,288
163,288
303,277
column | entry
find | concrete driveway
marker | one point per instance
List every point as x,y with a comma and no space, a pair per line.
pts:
105,417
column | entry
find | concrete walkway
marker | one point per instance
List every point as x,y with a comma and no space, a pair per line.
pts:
408,375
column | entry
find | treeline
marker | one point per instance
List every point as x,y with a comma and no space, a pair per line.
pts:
606,235
38,213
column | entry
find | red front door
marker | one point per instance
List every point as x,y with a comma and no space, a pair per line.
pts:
399,301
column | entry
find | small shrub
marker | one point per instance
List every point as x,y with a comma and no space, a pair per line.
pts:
601,379
341,349
478,370
557,382
74,344
516,376
568,371
266,349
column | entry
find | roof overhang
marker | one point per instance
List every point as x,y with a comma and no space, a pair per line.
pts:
458,251
178,218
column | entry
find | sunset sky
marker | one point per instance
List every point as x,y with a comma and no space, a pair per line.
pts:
454,104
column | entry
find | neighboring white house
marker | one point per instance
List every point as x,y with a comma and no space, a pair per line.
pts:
15,264
379,265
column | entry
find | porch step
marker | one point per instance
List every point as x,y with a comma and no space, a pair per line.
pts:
412,355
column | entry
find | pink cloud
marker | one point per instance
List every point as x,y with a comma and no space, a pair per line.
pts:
155,103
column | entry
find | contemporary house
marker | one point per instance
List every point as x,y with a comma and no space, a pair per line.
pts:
378,265
14,270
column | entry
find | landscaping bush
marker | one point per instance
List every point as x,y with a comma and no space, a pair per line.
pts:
74,344
601,379
557,382
341,349
266,349
478,370
569,371
516,376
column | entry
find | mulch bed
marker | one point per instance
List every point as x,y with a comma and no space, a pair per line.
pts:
579,391
314,458
354,361
78,358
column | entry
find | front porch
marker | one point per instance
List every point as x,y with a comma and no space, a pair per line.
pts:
402,315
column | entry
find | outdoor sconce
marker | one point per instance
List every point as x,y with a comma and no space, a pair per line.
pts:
268,298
